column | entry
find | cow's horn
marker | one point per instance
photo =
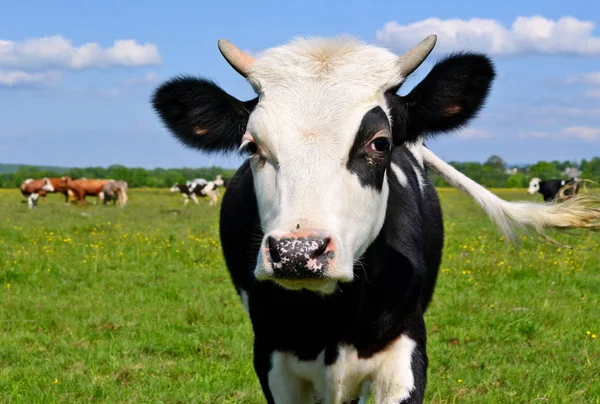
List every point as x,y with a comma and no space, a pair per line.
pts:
413,58
239,60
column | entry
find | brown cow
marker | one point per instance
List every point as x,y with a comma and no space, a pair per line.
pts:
32,189
84,187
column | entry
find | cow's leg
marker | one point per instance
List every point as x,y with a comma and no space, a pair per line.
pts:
214,197
194,198
402,374
32,200
186,199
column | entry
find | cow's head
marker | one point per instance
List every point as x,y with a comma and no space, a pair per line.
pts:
48,187
319,136
534,186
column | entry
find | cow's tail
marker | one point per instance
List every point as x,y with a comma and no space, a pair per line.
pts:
581,211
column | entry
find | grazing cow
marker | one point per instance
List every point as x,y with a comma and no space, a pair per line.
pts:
115,191
54,185
81,188
331,229
194,190
32,189
550,188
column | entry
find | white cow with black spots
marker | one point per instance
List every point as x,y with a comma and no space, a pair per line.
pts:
331,229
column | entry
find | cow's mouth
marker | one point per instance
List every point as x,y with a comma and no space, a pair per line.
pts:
325,286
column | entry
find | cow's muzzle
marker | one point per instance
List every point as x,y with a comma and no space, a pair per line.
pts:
298,257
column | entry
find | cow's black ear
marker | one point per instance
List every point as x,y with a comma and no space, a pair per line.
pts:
200,114
450,96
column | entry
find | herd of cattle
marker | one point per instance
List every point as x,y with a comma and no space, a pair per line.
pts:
105,190
109,190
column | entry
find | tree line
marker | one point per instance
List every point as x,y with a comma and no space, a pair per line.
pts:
135,177
493,173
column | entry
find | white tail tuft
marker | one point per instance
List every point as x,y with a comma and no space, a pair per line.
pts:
580,211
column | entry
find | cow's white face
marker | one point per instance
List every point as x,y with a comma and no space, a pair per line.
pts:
319,147
319,137
534,186
47,185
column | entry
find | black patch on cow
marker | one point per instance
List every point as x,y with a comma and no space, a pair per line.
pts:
549,188
201,115
449,97
368,165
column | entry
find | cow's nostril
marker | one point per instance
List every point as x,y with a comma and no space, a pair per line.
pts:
321,250
272,243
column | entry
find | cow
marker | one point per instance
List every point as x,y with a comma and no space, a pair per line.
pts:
550,188
81,188
115,191
52,185
194,190
331,230
32,189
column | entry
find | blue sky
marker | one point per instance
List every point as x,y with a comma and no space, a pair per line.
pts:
76,77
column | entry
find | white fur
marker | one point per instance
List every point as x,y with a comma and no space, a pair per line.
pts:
420,178
47,185
388,374
505,214
417,150
400,175
306,127
534,186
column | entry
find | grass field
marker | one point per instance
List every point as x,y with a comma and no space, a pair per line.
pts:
102,304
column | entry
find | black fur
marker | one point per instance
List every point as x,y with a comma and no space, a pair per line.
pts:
549,188
386,299
187,104
450,96
368,165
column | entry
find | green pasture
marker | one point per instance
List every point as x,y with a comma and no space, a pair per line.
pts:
134,305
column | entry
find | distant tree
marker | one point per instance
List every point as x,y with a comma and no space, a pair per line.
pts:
518,180
544,170
496,163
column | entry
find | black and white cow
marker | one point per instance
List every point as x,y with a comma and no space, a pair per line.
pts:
331,230
549,188
194,190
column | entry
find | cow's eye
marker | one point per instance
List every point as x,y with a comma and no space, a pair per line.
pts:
380,144
249,145
251,148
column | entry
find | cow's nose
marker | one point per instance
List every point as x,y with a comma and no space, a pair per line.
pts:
300,257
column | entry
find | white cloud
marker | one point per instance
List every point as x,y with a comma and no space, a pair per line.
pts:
18,78
471,133
58,52
588,78
535,34
583,132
